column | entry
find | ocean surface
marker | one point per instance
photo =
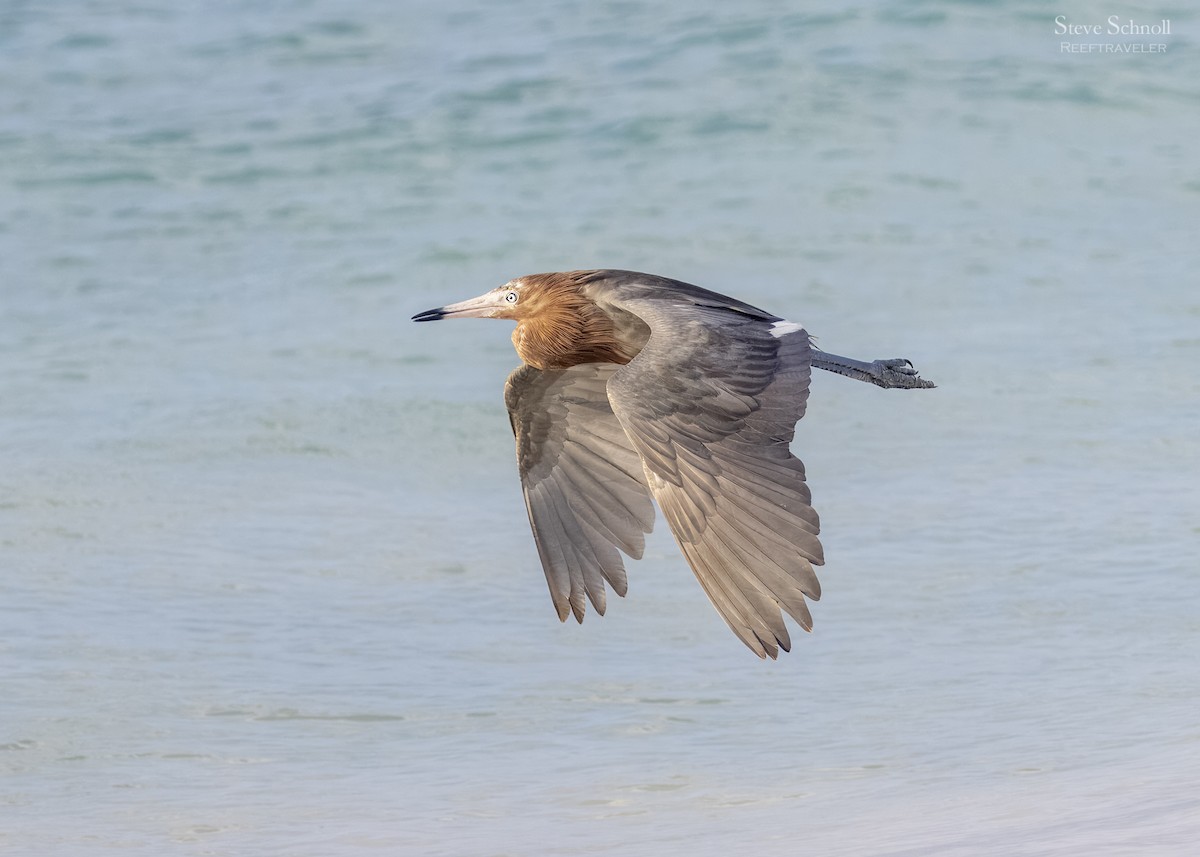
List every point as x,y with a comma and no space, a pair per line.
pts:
266,580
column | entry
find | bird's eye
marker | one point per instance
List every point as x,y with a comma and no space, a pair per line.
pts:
511,297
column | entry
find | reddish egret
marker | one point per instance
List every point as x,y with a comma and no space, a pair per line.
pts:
635,386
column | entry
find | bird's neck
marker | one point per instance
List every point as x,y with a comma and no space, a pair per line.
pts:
566,332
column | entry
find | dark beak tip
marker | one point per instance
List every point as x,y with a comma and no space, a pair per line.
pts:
429,315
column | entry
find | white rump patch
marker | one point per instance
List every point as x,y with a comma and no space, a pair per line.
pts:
782,328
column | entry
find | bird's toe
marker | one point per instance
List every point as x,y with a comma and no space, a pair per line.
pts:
899,372
897,364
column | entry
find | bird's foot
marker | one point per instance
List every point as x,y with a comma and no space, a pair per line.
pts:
897,372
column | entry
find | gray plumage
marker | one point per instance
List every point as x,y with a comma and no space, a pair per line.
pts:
695,404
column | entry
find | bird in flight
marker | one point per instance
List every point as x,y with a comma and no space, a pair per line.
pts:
634,386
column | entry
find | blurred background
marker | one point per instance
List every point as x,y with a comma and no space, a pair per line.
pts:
266,580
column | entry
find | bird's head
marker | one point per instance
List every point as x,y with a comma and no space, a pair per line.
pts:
558,325
508,301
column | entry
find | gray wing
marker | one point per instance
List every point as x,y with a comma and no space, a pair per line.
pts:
584,486
710,404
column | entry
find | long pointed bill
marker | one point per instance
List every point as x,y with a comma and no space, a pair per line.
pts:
430,315
484,306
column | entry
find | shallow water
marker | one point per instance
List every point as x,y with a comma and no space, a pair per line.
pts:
268,587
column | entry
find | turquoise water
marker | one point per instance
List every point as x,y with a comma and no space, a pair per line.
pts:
268,586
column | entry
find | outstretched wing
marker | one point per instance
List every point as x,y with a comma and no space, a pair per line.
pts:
584,486
710,404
